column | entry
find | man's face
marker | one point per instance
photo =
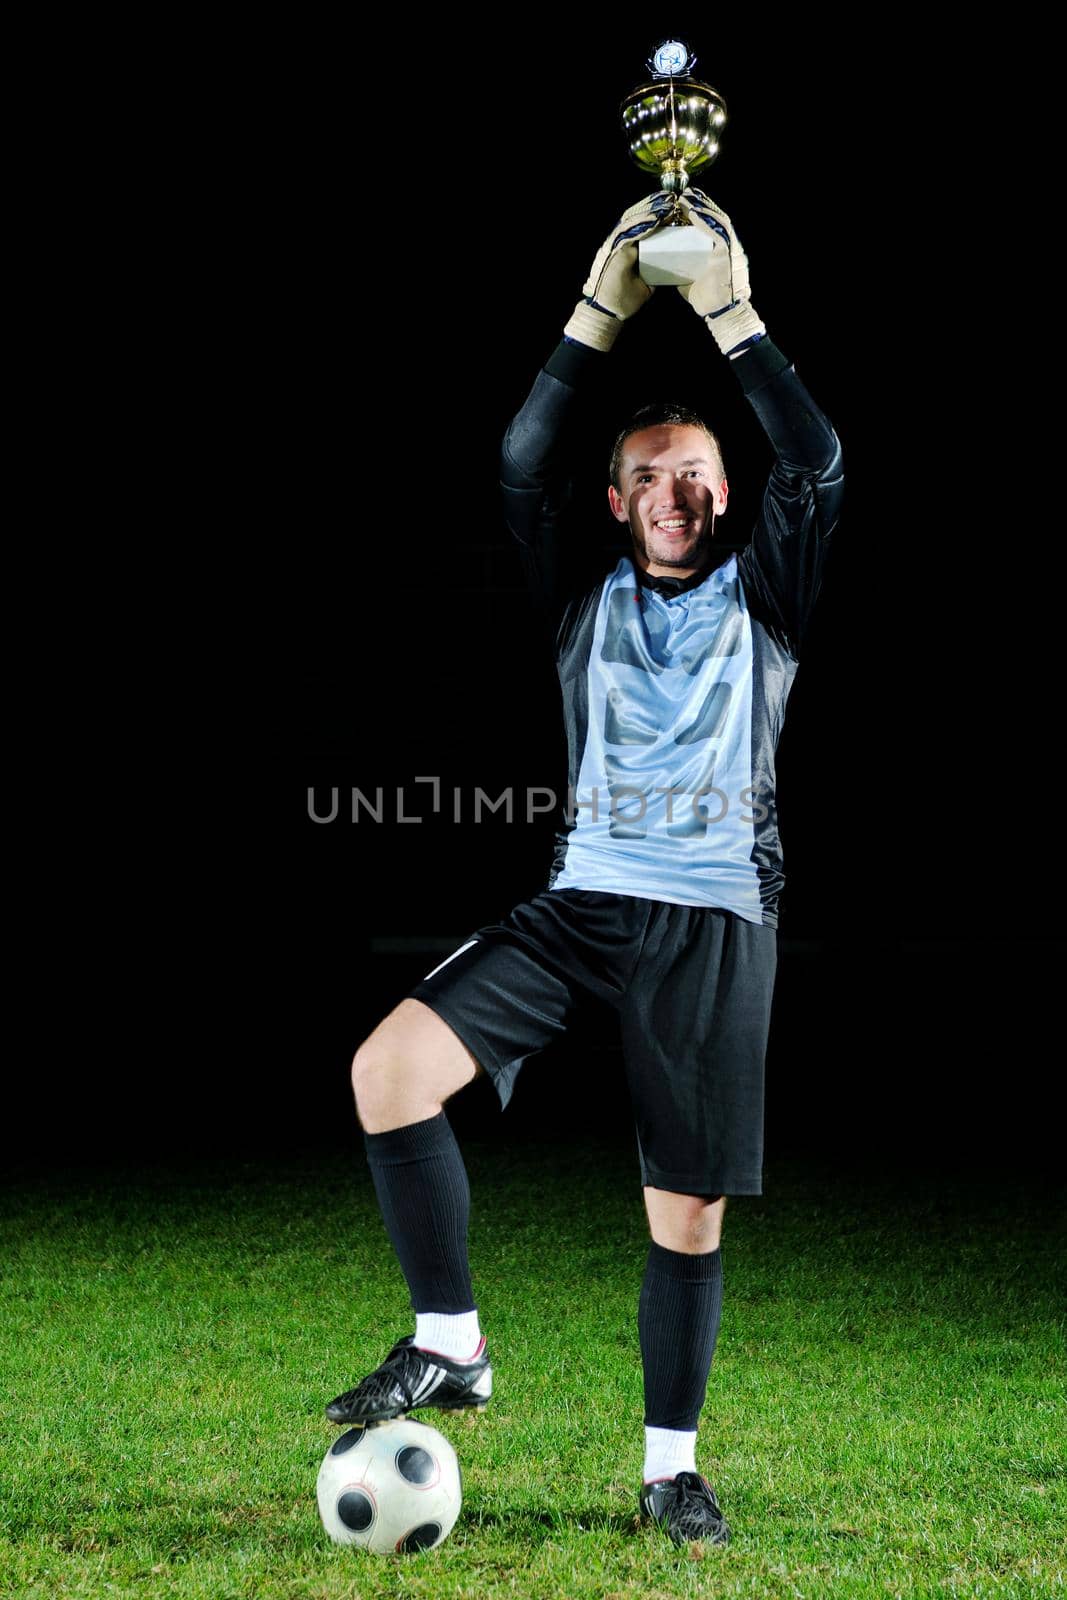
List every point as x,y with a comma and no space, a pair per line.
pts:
671,492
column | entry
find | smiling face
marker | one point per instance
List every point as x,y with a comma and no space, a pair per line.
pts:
671,489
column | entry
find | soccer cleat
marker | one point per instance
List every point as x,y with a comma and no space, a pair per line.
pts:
685,1508
409,1378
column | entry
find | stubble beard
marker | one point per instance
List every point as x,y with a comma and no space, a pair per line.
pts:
697,555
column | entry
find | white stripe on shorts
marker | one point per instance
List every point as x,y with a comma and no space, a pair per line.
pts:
452,957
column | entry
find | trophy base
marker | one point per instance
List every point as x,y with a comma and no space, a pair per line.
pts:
674,255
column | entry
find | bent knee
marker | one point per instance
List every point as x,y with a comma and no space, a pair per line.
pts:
408,1067
369,1063
380,1074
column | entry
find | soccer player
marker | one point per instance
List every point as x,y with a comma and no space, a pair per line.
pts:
663,896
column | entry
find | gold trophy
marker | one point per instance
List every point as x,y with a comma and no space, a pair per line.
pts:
672,127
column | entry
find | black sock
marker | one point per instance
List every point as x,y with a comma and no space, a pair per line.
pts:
678,1323
422,1189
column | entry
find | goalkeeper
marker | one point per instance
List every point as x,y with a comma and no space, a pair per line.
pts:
662,900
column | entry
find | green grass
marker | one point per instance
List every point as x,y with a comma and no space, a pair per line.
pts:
885,1414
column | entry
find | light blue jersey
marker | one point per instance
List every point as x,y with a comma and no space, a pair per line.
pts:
663,807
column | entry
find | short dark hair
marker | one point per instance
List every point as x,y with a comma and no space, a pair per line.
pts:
657,415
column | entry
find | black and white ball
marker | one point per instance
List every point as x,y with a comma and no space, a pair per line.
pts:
391,1486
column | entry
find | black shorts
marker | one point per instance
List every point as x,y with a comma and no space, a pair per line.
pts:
692,986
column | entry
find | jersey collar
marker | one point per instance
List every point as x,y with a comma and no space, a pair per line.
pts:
670,587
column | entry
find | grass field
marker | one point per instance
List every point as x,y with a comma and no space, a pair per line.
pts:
885,1415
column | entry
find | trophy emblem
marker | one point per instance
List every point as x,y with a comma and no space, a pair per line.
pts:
672,126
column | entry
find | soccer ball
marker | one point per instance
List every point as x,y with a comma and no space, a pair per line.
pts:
390,1486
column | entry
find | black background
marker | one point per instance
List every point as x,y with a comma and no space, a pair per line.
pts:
421,217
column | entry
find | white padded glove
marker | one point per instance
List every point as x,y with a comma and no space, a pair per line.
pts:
613,291
721,294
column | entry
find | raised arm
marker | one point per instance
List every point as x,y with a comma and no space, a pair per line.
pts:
533,469
782,567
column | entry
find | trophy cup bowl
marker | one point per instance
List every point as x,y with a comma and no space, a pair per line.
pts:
672,128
